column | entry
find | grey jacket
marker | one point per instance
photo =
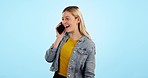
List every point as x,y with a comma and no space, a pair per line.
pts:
82,61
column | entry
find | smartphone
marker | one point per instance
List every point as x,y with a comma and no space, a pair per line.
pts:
61,28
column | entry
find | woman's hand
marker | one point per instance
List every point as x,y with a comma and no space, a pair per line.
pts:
59,36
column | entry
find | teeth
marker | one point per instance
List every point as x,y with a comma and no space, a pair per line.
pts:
67,26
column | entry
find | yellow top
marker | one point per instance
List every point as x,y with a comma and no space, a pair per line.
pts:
65,55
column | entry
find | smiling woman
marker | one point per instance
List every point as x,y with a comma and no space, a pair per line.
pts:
73,52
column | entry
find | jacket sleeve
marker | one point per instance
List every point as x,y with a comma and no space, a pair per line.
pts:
90,64
50,54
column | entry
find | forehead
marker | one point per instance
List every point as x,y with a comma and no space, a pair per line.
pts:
67,14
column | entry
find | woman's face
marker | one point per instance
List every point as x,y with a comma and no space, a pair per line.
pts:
70,22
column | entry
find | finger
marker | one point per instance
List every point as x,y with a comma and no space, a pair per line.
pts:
58,25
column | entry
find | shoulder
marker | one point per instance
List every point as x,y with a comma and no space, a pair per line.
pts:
87,44
87,41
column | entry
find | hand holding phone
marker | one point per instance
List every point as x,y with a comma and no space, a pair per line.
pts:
60,28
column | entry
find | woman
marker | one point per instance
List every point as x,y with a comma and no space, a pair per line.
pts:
73,52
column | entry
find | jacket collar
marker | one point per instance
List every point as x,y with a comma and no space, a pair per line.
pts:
82,39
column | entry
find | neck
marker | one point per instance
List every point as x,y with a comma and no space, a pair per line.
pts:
75,35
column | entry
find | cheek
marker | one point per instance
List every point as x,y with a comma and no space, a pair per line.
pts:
73,22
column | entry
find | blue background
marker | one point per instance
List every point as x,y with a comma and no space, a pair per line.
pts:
119,29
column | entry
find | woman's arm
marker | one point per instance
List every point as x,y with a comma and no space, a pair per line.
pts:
50,54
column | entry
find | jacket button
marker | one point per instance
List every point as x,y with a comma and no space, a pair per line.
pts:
69,76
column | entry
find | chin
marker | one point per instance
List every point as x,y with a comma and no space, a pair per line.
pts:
67,31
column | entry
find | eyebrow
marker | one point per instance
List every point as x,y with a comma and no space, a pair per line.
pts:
66,16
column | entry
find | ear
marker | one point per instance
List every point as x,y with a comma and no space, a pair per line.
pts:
78,19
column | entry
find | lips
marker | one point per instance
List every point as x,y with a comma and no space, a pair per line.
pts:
67,26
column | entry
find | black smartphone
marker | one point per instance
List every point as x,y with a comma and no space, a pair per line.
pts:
60,29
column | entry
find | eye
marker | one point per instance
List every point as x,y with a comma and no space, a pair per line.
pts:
67,18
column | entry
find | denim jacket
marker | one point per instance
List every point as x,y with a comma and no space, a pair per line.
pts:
82,60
